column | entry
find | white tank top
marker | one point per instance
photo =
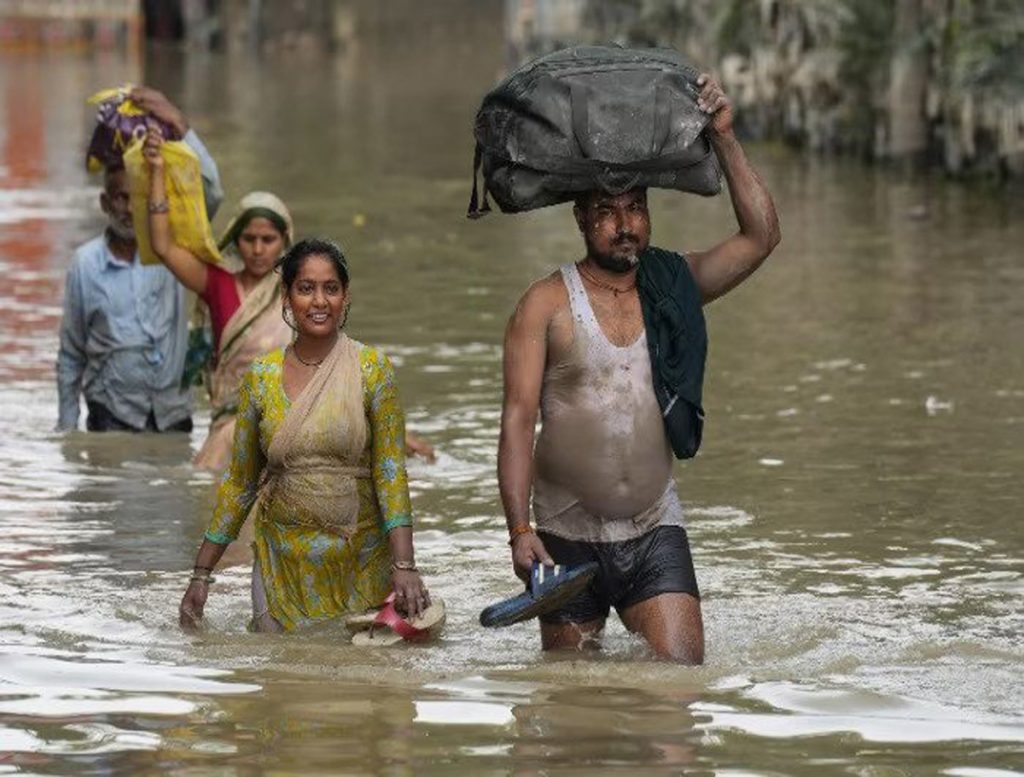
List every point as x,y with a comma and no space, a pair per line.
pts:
603,464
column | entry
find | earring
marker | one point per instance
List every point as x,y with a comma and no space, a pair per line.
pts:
289,317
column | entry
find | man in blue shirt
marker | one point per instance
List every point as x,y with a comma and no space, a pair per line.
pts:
124,334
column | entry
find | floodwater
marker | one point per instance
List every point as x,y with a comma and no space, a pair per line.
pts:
854,514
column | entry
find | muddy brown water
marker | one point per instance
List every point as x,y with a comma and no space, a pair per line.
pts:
854,514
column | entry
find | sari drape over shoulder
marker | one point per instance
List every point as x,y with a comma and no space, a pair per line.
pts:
324,478
256,328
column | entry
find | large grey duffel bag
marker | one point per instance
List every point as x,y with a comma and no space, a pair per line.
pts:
592,117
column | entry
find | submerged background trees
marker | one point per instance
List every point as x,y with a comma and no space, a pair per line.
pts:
919,82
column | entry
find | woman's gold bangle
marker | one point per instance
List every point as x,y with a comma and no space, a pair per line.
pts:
405,566
202,579
161,206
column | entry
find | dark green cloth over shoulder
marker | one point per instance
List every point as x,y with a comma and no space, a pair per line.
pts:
677,340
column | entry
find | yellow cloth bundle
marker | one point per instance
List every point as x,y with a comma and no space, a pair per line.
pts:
190,226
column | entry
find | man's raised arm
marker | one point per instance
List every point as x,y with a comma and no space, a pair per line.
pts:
727,264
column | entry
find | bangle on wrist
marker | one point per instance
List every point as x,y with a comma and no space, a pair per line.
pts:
405,566
202,579
518,531
159,206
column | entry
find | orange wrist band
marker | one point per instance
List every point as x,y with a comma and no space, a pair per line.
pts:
515,531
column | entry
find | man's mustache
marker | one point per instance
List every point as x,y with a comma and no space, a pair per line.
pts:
625,237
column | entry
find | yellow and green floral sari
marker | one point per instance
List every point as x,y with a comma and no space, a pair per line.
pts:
324,477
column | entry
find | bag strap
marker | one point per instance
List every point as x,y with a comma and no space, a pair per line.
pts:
475,211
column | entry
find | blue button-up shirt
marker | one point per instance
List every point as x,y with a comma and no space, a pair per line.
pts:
124,334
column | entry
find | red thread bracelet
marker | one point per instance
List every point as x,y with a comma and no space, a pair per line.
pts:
516,531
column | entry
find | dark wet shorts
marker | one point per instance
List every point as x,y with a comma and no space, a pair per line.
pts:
630,572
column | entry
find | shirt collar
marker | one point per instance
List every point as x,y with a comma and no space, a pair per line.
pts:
111,261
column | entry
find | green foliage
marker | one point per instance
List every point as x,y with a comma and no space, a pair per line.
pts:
737,26
988,50
865,42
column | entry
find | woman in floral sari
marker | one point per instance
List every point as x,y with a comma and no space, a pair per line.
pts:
319,461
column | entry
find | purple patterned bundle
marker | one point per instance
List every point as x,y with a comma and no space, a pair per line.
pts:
119,121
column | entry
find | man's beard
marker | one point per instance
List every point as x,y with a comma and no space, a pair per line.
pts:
120,230
625,258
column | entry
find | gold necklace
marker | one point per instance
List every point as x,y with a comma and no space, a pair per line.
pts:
314,365
601,284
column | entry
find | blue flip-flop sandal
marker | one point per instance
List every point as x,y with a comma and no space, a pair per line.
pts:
549,588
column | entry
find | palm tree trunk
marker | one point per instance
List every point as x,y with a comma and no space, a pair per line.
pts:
908,126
